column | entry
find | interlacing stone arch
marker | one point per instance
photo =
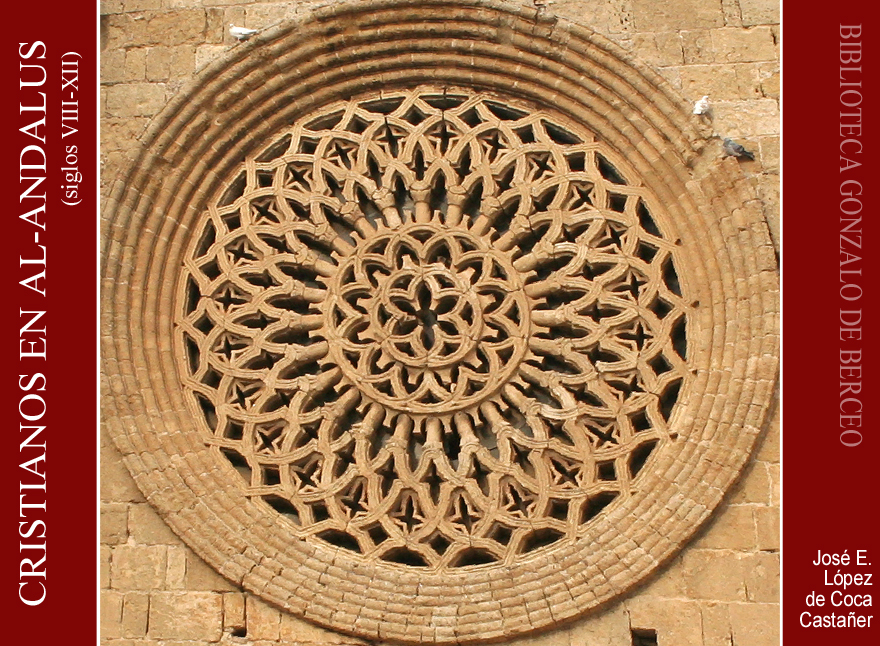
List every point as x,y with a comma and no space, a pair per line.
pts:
435,331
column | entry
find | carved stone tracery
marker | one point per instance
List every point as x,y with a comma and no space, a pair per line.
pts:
435,328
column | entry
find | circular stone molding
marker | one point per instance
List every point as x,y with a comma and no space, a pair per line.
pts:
430,331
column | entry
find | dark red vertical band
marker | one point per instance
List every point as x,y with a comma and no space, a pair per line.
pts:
831,323
49,566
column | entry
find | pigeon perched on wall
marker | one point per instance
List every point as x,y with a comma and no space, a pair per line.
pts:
702,106
733,149
241,33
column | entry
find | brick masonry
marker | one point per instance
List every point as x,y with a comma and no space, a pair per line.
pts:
721,590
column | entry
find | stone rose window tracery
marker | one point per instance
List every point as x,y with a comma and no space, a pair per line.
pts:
435,321
434,328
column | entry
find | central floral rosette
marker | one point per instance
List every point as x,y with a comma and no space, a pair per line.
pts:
426,318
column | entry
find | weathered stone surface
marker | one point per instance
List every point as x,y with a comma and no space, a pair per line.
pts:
116,482
715,619
186,615
767,525
199,576
743,45
759,12
697,47
134,99
263,621
300,631
610,628
661,49
139,567
114,523
164,63
682,14
135,614
733,529
754,623
754,486
111,614
148,529
674,620
746,118
166,28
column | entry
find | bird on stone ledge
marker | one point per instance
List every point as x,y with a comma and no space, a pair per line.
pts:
733,149
241,33
702,106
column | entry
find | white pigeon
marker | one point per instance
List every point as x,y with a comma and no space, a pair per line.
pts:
702,106
241,33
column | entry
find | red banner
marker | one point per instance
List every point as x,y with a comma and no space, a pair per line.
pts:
49,70
830,332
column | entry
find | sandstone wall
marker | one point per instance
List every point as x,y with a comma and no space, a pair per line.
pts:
722,590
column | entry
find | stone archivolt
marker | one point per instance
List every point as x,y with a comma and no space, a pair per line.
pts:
430,331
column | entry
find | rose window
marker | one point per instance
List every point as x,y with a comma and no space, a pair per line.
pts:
435,322
436,328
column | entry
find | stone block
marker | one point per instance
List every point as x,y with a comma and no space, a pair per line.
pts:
610,628
775,482
769,449
141,5
207,53
137,567
753,487
110,6
135,614
732,14
104,566
201,576
667,583
769,149
135,99
263,621
300,631
770,81
164,63
147,528
746,118
716,624
154,28
608,18
116,482
682,14
767,527
113,66
697,47
186,615
733,528
733,45
720,82
714,576
759,12
674,620
114,523
135,65
755,624
234,611
175,574
120,134
762,577
111,614
660,50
